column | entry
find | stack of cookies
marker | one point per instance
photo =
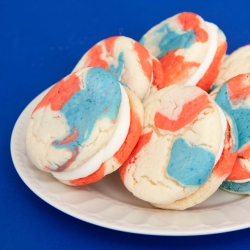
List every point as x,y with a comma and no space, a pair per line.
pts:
169,112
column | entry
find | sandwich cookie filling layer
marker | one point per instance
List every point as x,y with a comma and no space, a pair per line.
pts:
75,120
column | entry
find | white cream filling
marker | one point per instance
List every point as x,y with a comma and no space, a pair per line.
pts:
118,138
240,181
213,44
224,128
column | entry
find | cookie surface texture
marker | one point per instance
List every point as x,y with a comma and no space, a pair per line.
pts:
189,49
125,58
181,142
234,97
220,172
81,123
113,163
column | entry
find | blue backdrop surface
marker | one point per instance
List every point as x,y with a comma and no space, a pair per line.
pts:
40,43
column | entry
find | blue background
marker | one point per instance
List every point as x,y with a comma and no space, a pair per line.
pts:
40,43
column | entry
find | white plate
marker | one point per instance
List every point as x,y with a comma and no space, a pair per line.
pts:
108,204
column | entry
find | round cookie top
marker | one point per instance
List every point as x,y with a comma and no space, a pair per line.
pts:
75,119
121,154
220,172
180,31
182,139
125,58
234,97
235,64
183,43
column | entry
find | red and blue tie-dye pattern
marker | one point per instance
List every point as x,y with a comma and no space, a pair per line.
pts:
184,173
187,176
122,154
82,108
234,96
191,110
56,98
176,66
106,47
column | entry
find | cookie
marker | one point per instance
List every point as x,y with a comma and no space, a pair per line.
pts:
183,137
235,64
125,58
158,76
234,97
85,127
189,49
220,172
